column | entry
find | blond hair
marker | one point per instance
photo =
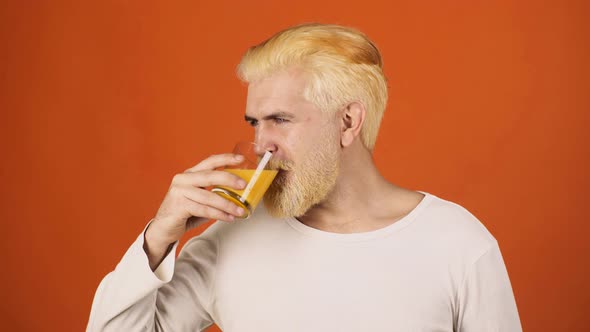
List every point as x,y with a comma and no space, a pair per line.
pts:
341,63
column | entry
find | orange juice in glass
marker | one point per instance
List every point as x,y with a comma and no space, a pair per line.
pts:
256,174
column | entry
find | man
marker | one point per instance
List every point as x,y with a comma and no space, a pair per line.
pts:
336,247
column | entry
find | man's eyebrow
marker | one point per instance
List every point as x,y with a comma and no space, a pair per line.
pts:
280,114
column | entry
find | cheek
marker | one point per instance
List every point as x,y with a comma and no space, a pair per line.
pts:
299,140
290,144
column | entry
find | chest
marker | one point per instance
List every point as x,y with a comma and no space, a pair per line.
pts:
332,288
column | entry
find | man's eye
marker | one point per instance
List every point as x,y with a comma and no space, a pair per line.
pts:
280,120
253,123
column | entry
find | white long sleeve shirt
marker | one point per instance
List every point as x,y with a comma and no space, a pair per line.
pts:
436,269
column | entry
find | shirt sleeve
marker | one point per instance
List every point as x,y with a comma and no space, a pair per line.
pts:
174,297
486,299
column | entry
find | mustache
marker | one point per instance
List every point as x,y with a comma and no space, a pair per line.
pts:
285,165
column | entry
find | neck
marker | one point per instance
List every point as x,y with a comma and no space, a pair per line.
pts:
362,200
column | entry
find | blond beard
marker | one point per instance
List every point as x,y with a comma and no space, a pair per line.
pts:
292,194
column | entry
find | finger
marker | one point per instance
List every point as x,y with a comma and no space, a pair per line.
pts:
193,222
213,200
217,161
211,178
205,211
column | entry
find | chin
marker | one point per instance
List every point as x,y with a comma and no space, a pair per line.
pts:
281,178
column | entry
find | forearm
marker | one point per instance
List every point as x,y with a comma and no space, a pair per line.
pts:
108,314
135,298
155,247
126,297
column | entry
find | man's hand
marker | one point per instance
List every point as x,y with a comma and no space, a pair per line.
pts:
188,204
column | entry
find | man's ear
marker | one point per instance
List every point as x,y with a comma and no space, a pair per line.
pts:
352,119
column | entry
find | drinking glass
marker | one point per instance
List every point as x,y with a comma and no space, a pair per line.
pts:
255,172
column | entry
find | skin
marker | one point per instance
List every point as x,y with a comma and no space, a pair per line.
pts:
303,140
358,200
361,199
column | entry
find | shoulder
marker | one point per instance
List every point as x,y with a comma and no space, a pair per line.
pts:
448,225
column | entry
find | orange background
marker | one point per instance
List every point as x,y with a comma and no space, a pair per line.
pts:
103,102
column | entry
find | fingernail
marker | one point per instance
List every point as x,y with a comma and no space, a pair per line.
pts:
239,158
242,184
240,211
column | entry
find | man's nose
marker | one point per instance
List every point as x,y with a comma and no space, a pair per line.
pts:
264,143
261,147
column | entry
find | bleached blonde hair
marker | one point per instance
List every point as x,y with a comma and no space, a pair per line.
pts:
342,66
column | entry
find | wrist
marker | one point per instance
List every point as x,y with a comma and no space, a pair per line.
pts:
155,246
155,238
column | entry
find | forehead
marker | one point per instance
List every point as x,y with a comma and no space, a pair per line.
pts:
280,91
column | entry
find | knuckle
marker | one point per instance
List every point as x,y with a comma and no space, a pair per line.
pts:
239,181
233,177
226,156
175,193
209,211
229,206
177,178
220,214
206,173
